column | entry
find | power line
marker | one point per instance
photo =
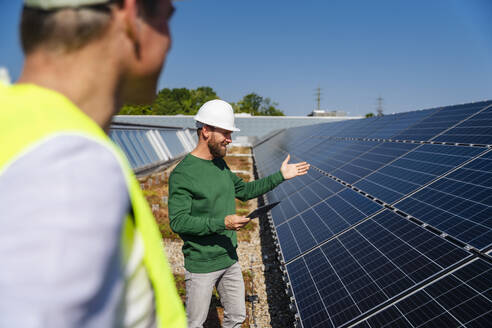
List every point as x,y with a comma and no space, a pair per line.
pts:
318,98
380,106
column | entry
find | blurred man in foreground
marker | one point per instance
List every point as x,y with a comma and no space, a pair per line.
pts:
79,246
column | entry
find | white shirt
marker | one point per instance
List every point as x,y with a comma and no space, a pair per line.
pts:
62,208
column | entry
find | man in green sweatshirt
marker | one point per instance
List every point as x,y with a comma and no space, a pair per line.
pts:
202,193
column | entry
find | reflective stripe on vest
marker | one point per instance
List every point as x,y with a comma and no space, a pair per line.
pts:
29,115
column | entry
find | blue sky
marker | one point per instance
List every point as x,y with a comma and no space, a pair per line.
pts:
415,54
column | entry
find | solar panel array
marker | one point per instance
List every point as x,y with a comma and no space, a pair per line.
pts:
392,226
146,146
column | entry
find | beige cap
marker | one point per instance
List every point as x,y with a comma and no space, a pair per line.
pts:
55,4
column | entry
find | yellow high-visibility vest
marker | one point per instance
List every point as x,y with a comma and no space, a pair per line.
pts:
30,115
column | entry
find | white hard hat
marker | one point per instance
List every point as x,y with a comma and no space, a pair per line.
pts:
217,113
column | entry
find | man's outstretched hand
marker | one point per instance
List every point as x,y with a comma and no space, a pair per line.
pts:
290,171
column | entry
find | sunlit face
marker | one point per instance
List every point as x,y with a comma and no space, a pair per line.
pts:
218,141
154,42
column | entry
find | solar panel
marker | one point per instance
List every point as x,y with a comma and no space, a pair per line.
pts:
327,155
460,299
415,169
148,146
475,130
366,266
174,146
372,160
329,130
459,204
130,145
305,147
325,219
394,209
440,121
391,125
129,152
359,130
142,143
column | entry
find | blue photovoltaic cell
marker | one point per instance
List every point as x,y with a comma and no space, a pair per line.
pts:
298,202
325,187
288,243
352,206
145,147
139,143
130,145
337,128
286,189
268,159
312,310
415,169
440,121
115,136
475,130
327,218
365,266
287,210
325,154
334,154
303,236
310,196
360,128
291,205
318,224
461,299
391,125
172,142
459,204
303,148
294,185
372,160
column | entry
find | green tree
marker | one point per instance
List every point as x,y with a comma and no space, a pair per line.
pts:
201,95
187,102
369,115
181,100
172,102
250,104
257,105
136,110
269,109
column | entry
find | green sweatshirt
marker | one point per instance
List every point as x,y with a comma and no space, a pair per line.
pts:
201,194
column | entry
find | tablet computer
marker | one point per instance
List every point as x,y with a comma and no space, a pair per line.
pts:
261,210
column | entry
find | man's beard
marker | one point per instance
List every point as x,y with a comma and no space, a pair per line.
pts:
216,149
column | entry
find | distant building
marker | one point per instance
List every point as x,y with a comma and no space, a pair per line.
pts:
242,115
4,76
321,113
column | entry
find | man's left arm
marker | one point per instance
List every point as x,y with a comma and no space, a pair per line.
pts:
253,189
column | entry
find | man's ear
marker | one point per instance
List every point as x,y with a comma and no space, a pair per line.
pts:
206,132
130,9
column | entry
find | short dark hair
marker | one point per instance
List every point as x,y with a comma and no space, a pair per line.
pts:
199,130
69,29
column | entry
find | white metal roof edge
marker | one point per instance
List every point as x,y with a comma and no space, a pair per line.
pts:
328,118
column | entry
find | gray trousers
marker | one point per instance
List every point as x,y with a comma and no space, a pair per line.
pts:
230,286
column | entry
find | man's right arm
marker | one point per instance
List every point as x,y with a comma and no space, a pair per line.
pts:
180,201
